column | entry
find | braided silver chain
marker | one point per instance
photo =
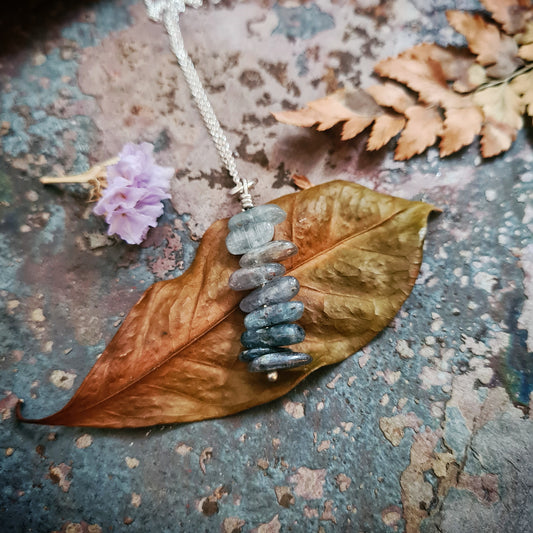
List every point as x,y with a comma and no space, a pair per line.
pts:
167,11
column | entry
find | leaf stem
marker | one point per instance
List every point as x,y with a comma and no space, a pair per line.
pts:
92,174
515,74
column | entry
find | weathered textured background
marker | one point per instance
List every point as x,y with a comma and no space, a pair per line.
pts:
426,429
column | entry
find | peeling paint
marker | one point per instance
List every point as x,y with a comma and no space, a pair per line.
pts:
7,405
274,526
391,515
343,482
63,380
136,499
233,524
295,409
309,482
205,457
60,475
284,496
84,441
328,513
182,449
132,462
393,428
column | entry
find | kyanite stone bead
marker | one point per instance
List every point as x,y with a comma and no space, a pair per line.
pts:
272,251
262,213
280,335
273,292
274,314
278,361
242,240
250,278
254,353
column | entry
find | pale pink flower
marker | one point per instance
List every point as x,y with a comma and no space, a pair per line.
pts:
131,202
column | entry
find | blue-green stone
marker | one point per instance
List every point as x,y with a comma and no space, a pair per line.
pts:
275,291
254,353
274,314
269,252
262,213
280,335
279,361
250,278
242,240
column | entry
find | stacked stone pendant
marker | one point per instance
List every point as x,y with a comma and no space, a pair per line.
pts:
270,313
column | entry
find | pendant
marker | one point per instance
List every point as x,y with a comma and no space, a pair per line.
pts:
269,307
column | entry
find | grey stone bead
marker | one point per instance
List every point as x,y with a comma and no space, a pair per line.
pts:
272,251
274,314
280,335
242,240
262,213
254,353
279,361
250,278
275,291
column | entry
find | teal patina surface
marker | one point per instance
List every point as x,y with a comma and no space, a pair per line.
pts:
426,429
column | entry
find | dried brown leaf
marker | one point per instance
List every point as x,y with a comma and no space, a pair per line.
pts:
174,359
496,138
511,14
305,118
452,60
492,48
355,126
471,79
482,89
501,104
526,52
526,36
523,86
354,107
423,126
422,74
391,95
459,129
384,129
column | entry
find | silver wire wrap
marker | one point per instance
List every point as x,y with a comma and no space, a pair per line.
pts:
168,11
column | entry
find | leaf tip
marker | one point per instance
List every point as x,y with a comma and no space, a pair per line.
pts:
21,418
18,411
301,181
445,150
400,155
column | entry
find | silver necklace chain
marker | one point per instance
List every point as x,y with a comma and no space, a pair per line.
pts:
168,11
